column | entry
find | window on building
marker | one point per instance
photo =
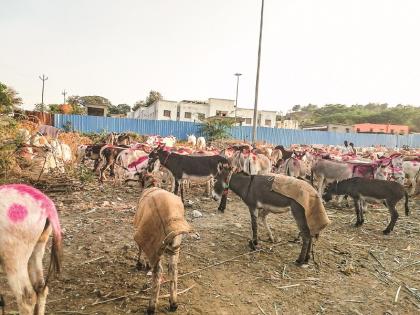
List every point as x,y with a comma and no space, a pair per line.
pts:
392,130
371,130
201,116
167,113
248,121
358,130
221,113
187,115
268,122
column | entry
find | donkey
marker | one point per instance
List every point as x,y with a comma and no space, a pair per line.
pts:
159,226
185,166
361,189
27,218
255,191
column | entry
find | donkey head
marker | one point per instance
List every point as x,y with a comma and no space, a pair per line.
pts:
221,180
330,190
153,157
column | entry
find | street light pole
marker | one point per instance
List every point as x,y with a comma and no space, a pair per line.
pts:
237,89
64,93
43,79
254,125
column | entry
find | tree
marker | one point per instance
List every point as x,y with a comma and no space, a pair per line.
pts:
9,99
153,96
217,127
296,108
119,109
137,105
54,109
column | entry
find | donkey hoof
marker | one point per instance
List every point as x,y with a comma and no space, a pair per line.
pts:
386,231
140,266
173,307
254,245
299,262
149,311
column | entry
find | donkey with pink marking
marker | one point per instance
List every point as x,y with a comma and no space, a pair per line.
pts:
27,218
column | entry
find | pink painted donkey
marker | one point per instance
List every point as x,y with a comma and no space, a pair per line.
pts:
27,218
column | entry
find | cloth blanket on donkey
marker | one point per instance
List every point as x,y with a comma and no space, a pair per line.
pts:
159,218
307,197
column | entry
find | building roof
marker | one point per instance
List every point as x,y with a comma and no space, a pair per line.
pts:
380,125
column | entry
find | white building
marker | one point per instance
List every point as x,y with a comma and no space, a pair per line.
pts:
198,110
287,124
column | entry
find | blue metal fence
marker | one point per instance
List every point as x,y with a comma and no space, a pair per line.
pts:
181,129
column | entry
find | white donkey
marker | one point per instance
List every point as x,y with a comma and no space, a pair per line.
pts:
27,218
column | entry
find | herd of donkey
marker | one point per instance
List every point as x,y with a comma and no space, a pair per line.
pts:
268,180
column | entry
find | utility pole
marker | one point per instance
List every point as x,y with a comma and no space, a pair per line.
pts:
237,88
254,126
64,93
43,79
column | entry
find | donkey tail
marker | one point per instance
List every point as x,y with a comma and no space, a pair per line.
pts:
55,266
407,210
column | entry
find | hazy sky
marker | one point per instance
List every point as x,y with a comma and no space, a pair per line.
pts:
323,51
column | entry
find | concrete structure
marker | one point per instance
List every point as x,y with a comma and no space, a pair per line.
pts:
195,111
97,110
382,128
331,127
287,124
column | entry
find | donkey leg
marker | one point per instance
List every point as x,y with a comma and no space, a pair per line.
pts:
394,217
299,215
357,209
157,273
20,284
308,251
321,181
263,215
362,206
141,263
254,225
36,273
176,186
173,273
181,187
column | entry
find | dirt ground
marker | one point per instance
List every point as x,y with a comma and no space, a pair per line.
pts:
357,270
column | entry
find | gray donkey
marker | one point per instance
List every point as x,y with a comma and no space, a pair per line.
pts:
364,189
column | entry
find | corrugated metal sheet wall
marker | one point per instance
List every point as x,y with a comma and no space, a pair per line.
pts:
181,129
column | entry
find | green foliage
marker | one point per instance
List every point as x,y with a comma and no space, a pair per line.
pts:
85,174
217,128
78,103
10,141
153,97
137,105
119,109
54,108
40,108
9,99
370,113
